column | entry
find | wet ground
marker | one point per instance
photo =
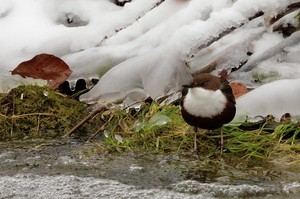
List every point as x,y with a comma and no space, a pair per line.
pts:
56,169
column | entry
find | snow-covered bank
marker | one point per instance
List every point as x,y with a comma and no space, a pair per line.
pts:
276,98
150,48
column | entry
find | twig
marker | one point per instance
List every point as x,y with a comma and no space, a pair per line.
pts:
97,132
86,119
26,115
90,116
289,9
38,125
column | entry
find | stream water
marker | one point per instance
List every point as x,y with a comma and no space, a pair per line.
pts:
55,169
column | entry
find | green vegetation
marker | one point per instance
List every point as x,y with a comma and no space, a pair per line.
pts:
38,112
35,112
263,76
161,129
154,127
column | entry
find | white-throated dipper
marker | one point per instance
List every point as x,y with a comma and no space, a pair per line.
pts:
207,103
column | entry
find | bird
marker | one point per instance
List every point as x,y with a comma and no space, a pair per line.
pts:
208,103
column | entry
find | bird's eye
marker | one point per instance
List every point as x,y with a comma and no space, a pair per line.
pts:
202,84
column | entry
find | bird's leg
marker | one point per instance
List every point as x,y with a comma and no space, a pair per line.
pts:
222,141
195,139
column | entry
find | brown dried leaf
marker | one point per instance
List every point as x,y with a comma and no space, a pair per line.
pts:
238,89
45,66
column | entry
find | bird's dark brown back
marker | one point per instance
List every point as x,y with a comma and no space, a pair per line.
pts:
211,82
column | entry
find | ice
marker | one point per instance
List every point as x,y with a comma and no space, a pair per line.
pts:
148,72
8,82
159,120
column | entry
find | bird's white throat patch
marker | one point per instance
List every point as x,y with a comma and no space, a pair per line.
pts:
204,103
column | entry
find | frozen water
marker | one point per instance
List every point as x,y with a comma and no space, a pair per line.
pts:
8,82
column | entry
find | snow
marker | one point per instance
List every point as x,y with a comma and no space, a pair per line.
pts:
267,41
276,98
150,47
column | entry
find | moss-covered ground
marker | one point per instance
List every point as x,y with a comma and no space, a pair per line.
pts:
39,112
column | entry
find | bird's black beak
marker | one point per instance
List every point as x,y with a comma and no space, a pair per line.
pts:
187,86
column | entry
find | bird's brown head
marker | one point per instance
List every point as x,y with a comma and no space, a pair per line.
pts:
210,82
206,81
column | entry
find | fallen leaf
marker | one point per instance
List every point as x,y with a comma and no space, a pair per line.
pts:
238,89
45,66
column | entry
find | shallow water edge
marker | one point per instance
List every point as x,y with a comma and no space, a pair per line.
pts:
69,169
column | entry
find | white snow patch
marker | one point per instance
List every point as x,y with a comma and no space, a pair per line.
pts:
276,98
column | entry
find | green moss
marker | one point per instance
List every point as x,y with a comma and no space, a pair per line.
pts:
264,76
33,111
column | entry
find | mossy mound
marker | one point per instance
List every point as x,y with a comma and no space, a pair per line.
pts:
38,112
